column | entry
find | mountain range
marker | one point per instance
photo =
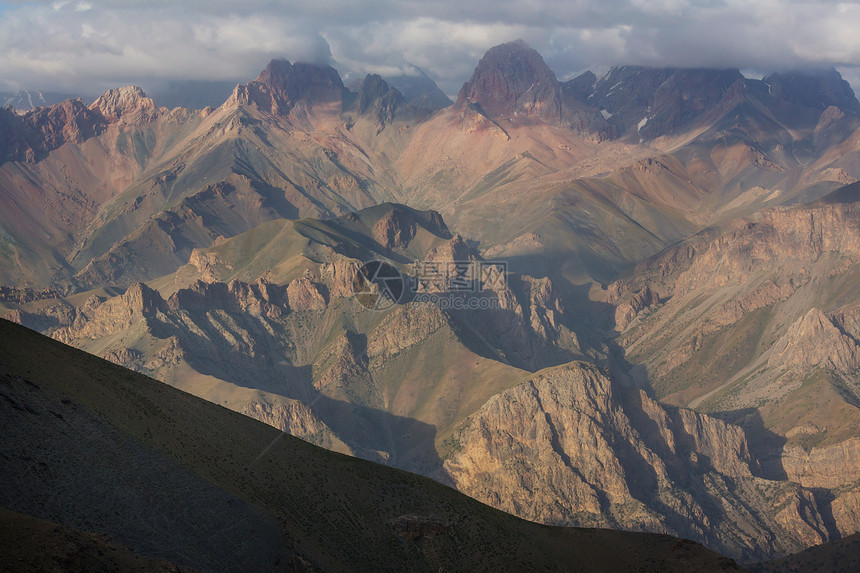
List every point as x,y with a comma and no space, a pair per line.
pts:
674,348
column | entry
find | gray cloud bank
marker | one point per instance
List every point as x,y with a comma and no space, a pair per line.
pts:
85,46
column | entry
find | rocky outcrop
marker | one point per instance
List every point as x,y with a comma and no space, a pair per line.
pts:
513,85
403,328
126,104
565,447
282,85
306,294
512,79
139,304
38,132
687,95
396,228
813,341
25,295
455,250
816,89
339,275
32,136
845,509
378,100
256,299
630,309
828,467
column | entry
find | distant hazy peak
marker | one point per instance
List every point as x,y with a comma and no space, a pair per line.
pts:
815,88
420,90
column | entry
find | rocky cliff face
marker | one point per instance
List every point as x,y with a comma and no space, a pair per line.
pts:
816,89
296,419
512,83
760,323
567,447
378,100
512,79
128,104
283,85
657,101
815,341
32,136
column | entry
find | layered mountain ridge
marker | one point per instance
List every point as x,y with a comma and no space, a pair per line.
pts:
691,230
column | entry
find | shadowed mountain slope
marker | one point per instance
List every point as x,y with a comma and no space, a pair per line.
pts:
327,512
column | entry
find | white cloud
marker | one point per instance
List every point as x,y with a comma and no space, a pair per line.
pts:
88,45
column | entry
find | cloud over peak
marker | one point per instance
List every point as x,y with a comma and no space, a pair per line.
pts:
85,46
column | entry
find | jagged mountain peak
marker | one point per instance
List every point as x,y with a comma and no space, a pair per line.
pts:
119,102
655,101
419,89
581,86
297,77
513,79
372,88
281,85
813,88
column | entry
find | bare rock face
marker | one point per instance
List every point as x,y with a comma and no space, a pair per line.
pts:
687,95
817,89
306,294
407,326
846,510
32,136
814,340
824,467
395,229
283,85
565,447
630,309
139,304
124,103
457,249
512,79
377,99
256,299
650,102
339,275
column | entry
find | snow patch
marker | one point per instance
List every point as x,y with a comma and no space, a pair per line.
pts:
639,127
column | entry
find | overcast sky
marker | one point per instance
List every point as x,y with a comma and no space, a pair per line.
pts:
85,46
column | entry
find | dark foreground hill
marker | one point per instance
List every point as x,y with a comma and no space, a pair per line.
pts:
100,449
839,555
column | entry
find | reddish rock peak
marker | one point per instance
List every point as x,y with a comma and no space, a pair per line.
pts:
513,79
32,136
276,74
125,101
282,85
